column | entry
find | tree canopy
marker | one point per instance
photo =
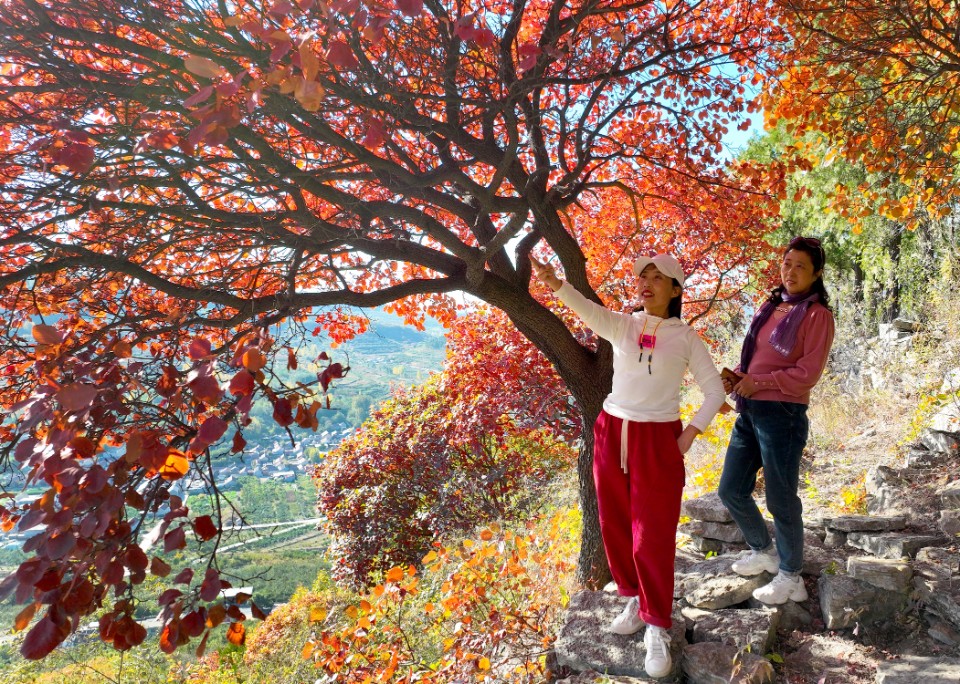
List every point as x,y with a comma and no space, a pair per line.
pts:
180,176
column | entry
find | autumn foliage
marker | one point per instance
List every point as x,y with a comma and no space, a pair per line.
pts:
477,443
484,609
181,178
873,81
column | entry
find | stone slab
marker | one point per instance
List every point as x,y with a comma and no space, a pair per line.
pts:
725,532
916,669
712,585
716,663
707,507
585,642
884,573
891,544
868,523
753,631
846,601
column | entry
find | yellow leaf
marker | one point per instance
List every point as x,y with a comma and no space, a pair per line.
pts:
318,613
363,623
484,664
307,650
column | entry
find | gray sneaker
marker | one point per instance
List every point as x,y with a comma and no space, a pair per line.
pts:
657,642
756,562
628,621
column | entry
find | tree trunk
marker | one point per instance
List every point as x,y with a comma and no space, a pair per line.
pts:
592,569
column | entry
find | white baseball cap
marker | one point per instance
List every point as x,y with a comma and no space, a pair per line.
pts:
664,263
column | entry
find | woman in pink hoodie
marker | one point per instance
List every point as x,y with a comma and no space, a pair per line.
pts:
783,356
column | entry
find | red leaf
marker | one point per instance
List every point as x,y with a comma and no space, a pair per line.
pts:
341,56
528,54
185,576
76,156
205,527
199,348
159,567
169,596
211,586
376,133
291,359
135,559
411,8
206,389
256,612
213,428
242,383
77,396
239,443
174,539
42,639
283,412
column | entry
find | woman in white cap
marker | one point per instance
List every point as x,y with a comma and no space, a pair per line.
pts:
639,441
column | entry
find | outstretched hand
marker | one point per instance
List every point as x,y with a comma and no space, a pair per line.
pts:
545,274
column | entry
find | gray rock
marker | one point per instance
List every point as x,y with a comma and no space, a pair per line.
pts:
792,616
885,492
892,575
817,523
891,545
716,663
947,419
941,597
705,546
937,563
904,325
950,495
752,631
816,559
924,458
711,584
834,539
727,532
916,669
946,442
942,631
591,677
586,644
845,601
707,507
868,523
949,522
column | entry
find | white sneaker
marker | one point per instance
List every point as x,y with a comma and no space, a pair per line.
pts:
628,621
657,642
756,562
781,590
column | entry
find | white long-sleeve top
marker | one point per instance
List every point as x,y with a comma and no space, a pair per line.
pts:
654,395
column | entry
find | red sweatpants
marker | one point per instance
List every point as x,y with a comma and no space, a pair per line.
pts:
639,509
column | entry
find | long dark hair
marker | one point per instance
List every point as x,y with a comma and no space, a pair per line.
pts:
675,307
812,248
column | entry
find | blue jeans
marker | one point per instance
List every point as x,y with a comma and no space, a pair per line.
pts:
769,435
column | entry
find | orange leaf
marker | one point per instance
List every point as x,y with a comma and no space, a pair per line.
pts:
176,465
201,66
24,617
236,634
46,334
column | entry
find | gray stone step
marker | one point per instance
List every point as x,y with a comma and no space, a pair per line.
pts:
919,670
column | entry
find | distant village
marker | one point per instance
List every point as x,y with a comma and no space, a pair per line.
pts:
274,459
